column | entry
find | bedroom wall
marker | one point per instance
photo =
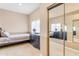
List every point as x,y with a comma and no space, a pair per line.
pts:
13,22
34,16
42,14
44,28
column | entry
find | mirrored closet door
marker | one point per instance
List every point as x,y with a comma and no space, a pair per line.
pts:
64,29
72,25
56,31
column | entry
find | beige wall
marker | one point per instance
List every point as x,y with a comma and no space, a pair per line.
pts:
13,22
44,28
34,16
42,14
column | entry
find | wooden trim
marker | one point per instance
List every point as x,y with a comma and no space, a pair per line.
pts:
64,34
54,5
48,48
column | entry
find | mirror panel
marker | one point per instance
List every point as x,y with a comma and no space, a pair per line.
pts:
72,24
56,24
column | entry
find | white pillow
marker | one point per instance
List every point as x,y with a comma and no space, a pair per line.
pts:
5,34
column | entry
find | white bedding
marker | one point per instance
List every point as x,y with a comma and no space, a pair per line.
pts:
14,38
19,36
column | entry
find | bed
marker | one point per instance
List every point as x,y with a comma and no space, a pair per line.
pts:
15,38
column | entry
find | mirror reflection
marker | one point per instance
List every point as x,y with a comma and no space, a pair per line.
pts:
72,23
76,30
64,30
56,23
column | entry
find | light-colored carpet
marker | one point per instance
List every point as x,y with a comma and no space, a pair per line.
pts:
24,49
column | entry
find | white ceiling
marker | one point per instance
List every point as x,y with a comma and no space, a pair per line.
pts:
25,8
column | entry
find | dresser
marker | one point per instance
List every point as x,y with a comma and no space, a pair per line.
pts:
35,40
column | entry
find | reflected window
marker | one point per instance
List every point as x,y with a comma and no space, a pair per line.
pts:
56,27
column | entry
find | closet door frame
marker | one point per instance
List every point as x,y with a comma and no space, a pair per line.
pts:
49,8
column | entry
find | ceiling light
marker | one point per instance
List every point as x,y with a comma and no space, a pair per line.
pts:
20,4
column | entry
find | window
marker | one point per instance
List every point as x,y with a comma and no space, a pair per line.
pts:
35,25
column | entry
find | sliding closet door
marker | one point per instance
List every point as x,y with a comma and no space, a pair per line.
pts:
56,25
72,29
